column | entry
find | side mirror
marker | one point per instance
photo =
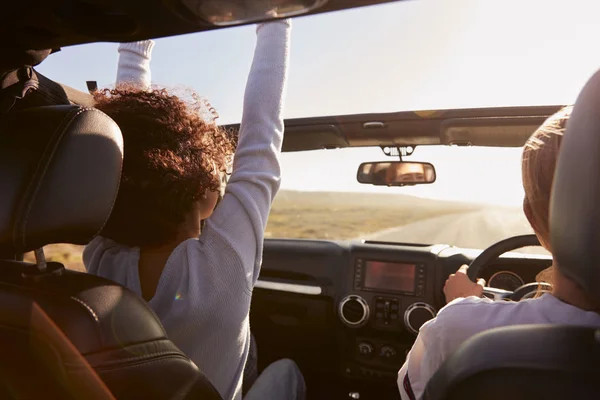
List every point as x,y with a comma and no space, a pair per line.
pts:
397,173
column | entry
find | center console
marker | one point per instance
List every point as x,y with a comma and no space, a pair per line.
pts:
383,311
385,295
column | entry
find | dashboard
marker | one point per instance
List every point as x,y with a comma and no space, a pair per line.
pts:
353,309
506,280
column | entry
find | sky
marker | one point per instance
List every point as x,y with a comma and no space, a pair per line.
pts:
407,55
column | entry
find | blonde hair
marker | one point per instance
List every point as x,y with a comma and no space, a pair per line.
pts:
538,164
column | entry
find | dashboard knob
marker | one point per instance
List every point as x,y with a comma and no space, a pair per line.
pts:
416,315
354,311
365,349
388,352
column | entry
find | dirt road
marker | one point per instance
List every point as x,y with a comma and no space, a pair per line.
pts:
474,229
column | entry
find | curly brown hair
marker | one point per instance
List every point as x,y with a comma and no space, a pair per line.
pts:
173,154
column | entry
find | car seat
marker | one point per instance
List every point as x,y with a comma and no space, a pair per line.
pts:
24,87
65,334
536,361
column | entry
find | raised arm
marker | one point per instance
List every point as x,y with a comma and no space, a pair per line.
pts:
240,219
134,63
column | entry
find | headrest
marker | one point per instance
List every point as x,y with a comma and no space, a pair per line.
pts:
60,168
575,202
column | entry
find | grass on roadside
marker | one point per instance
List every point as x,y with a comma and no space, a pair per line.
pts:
319,215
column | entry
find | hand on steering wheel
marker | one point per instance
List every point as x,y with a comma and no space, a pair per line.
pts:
459,285
495,251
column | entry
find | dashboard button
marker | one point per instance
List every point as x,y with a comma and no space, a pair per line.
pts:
388,353
386,311
365,349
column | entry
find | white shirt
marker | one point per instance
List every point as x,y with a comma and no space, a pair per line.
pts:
464,317
204,292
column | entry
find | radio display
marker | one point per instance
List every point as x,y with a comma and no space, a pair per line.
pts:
382,275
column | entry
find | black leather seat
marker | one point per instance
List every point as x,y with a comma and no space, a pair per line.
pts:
64,334
547,362
522,362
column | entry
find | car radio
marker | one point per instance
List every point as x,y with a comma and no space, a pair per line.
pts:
389,277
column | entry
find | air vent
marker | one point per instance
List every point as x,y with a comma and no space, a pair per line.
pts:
354,311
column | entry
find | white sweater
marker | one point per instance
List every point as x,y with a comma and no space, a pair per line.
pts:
203,295
134,63
462,318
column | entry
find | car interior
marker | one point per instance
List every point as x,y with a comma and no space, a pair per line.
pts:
330,305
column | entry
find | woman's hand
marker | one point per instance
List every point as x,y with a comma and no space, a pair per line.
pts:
459,285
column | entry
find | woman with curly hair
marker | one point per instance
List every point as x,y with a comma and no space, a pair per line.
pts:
198,279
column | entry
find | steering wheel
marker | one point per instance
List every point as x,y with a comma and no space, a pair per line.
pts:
495,251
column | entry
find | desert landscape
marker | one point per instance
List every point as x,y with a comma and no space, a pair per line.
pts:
384,217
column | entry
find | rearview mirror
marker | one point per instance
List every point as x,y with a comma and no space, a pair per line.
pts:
397,173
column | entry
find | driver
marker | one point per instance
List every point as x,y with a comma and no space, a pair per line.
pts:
467,313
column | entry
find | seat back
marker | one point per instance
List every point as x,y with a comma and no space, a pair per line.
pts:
64,334
574,210
522,362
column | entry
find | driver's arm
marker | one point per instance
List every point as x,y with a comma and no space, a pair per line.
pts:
440,337
422,361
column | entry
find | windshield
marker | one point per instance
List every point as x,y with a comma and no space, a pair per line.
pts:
474,202
400,56
432,55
